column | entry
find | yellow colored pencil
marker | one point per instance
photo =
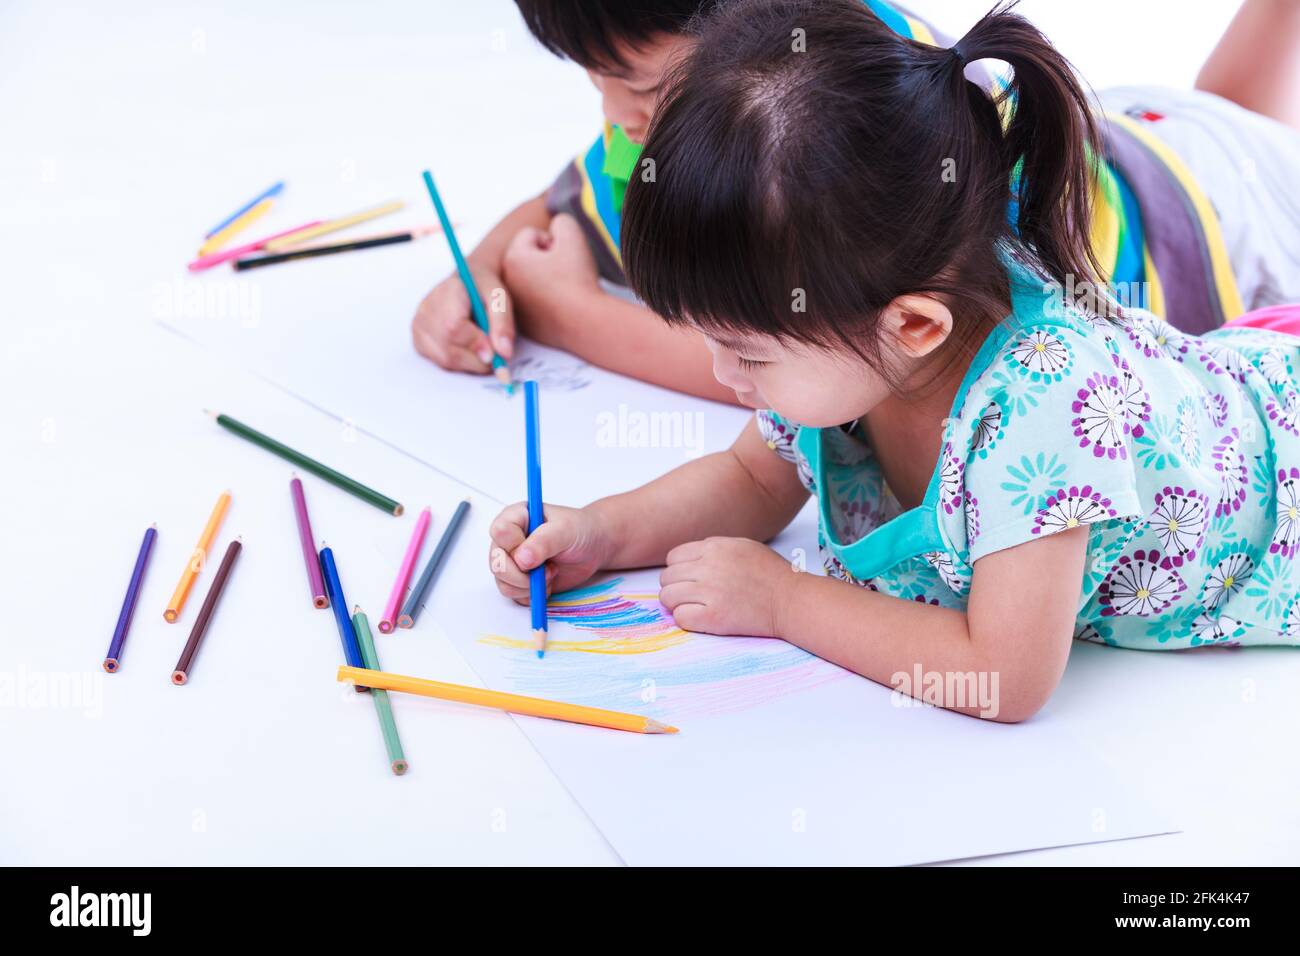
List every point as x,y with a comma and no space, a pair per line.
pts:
197,559
332,225
219,239
514,703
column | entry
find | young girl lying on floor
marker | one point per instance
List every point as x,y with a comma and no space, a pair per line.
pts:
998,467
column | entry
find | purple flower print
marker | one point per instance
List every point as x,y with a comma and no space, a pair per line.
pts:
1140,584
1101,417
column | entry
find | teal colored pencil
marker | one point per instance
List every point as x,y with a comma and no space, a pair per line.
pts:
383,706
499,367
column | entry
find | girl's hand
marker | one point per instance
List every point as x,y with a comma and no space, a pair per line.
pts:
572,542
726,586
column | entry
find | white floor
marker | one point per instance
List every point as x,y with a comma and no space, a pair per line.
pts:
126,134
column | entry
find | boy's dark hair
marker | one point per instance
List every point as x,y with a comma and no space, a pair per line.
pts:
818,164
588,31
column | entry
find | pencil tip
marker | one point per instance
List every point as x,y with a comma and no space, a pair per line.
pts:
154,525
356,609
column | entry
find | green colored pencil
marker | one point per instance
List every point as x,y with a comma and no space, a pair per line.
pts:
382,502
383,706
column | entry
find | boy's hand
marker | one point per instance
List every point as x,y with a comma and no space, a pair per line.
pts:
444,329
545,270
572,543
726,586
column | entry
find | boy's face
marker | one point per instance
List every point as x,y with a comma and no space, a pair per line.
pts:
630,93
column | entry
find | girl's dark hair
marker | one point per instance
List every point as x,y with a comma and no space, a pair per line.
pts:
588,31
804,147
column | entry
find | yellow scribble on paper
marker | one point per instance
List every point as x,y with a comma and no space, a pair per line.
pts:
645,644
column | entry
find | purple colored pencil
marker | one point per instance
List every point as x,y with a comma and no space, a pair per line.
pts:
314,579
113,658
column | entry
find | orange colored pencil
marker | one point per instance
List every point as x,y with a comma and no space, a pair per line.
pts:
197,559
514,703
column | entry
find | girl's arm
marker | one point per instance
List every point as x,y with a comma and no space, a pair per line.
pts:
1018,626
747,491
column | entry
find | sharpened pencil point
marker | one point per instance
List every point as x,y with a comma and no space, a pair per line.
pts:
400,767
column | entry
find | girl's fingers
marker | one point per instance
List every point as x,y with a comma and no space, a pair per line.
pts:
674,596
689,551
678,572
550,539
691,617
510,527
506,571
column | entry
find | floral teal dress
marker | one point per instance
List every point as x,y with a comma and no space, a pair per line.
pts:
1181,454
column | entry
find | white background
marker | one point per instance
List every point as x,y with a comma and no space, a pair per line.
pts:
128,130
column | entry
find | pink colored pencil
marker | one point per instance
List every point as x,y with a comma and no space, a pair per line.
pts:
225,255
404,573
314,579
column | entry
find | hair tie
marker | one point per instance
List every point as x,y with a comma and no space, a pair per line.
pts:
958,54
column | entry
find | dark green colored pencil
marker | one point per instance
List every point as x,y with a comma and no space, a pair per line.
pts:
382,502
383,706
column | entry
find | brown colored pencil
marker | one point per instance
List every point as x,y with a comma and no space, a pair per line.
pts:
181,674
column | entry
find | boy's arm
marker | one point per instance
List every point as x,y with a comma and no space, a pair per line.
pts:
554,284
1018,625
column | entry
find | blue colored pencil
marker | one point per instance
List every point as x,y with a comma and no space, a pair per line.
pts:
334,589
415,601
536,516
499,367
265,194
113,658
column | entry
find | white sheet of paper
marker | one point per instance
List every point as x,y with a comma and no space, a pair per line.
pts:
781,758
306,328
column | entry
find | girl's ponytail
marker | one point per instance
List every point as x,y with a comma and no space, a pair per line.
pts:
1048,143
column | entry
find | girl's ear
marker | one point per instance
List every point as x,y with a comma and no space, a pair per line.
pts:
918,323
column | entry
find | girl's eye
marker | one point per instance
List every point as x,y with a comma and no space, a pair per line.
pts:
749,364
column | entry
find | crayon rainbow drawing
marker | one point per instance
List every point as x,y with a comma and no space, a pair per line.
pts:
610,647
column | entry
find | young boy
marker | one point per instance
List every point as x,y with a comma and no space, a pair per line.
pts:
556,255
1180,226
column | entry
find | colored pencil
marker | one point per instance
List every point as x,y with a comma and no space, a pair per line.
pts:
514,703
536,515
347,634
314,580
333,225
499,367
415,602
182,672
225,255
198,558
219,239
329,249
112,660
404,572
336,478
383,706
265,194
